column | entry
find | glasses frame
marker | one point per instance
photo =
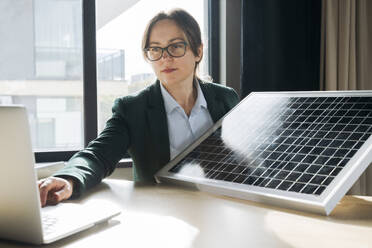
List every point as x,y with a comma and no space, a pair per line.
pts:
146,50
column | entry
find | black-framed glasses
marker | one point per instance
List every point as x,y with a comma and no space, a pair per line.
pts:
176,50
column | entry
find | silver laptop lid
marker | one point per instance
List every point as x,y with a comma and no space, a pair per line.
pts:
20,202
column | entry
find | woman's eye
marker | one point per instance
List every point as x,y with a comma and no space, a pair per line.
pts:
154,49
175,46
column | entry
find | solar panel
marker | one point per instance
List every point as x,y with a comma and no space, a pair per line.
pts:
301,150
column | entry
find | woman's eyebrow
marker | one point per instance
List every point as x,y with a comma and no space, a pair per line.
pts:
154,43
169,41
174,39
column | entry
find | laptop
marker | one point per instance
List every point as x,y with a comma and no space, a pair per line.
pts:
21,217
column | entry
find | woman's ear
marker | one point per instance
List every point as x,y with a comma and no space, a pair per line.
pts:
200,53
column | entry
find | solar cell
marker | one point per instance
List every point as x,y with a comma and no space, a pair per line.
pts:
300,150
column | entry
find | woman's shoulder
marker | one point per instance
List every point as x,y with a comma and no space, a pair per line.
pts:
137,99
139,96
218,89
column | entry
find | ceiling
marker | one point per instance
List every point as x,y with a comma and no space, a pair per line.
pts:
107,10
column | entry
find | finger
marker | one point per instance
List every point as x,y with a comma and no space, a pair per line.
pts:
40,182
44,188
47,186
52,199
58,196
63,193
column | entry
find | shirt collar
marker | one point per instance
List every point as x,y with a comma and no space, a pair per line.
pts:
170,104
200,100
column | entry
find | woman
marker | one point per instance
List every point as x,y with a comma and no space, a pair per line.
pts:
157,123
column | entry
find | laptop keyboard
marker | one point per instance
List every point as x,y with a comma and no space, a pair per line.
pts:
67,218
49,223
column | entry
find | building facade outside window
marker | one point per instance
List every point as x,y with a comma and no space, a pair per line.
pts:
41,68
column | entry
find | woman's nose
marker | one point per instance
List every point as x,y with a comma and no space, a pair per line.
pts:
166,55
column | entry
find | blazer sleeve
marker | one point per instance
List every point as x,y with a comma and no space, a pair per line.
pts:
98,160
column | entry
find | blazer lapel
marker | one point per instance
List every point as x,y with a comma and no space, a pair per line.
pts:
215,106
157,120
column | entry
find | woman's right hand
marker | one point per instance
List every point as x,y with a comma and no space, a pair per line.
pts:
54,190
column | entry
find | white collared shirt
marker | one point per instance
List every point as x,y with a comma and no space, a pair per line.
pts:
183,129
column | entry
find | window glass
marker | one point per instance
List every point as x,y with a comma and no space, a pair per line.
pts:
41,68
120,64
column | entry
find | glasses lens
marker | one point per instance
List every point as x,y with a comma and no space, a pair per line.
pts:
174,50
177,49
154,53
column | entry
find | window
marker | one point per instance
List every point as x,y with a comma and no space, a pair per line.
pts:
41,68
46,63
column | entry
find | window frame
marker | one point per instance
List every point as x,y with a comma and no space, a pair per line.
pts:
214,40
90,97
90,123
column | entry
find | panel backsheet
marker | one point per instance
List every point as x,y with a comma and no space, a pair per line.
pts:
297,144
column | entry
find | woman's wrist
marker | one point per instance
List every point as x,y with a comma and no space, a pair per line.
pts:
72,183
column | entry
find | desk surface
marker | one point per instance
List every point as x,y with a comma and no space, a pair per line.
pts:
172,216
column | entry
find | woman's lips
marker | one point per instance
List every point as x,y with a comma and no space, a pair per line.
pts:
168,70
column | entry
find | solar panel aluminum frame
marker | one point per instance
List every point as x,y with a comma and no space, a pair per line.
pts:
320,204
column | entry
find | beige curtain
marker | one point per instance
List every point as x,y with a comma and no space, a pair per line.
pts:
346,56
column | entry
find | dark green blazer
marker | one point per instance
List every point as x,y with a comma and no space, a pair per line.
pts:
138,125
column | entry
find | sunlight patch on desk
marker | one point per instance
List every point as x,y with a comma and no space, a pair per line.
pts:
149,230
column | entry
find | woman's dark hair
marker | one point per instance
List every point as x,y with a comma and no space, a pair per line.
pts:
185,22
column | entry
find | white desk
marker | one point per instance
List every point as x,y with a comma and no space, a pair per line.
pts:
171,216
